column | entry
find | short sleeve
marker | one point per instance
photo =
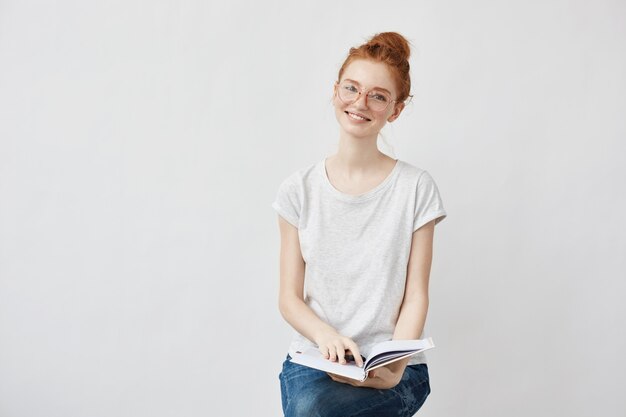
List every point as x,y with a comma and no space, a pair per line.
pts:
287,202
428,203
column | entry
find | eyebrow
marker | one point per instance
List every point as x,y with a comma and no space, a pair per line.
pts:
373,88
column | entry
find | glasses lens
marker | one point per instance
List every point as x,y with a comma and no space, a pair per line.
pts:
348,92
378,100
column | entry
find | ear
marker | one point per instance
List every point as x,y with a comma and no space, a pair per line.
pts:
332,97
396,112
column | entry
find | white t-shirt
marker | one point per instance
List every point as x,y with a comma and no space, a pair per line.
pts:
356,247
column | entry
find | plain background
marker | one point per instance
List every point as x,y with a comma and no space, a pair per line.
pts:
142,143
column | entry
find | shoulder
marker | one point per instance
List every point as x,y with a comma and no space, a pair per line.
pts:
292,194
417,180
414,173
300,177
300,183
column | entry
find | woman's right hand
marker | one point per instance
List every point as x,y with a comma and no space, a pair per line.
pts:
333,347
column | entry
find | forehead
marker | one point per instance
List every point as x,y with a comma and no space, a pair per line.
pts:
369,74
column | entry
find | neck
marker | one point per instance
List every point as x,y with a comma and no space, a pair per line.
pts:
358,154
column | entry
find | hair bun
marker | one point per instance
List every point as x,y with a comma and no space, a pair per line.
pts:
395,43
390,48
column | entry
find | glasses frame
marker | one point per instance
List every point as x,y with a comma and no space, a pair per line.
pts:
362,91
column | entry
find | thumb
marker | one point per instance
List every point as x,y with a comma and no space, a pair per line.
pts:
381,372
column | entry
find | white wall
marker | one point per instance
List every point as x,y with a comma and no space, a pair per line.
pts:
142,143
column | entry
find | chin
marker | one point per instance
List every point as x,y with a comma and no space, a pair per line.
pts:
358,133
358,130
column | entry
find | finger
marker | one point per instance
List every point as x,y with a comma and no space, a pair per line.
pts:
344,380
383,373
324,351
355,352
332,353
381,378
334,377
372,383
341,352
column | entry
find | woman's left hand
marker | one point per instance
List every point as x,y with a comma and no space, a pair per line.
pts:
380,378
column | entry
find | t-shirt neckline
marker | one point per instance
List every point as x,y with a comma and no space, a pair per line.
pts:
358,197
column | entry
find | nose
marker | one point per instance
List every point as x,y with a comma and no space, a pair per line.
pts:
361,101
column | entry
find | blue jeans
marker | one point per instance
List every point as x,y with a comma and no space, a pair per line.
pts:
309,392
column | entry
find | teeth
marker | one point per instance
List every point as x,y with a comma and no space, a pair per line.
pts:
354,116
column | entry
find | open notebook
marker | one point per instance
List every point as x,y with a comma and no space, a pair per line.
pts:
381,354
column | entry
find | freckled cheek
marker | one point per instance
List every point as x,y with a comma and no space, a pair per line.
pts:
338,104
339,108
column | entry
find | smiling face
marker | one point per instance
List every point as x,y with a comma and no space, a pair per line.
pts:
359,119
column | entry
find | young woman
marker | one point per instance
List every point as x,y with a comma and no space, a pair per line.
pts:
357,228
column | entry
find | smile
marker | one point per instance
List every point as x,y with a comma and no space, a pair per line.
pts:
355,116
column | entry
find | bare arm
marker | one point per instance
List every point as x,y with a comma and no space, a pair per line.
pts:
414,307
291,300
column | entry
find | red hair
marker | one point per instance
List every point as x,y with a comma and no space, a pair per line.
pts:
392,49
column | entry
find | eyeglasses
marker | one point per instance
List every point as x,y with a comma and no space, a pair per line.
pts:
349,92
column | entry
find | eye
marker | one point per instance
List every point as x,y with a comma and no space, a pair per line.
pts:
351,88
379,97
